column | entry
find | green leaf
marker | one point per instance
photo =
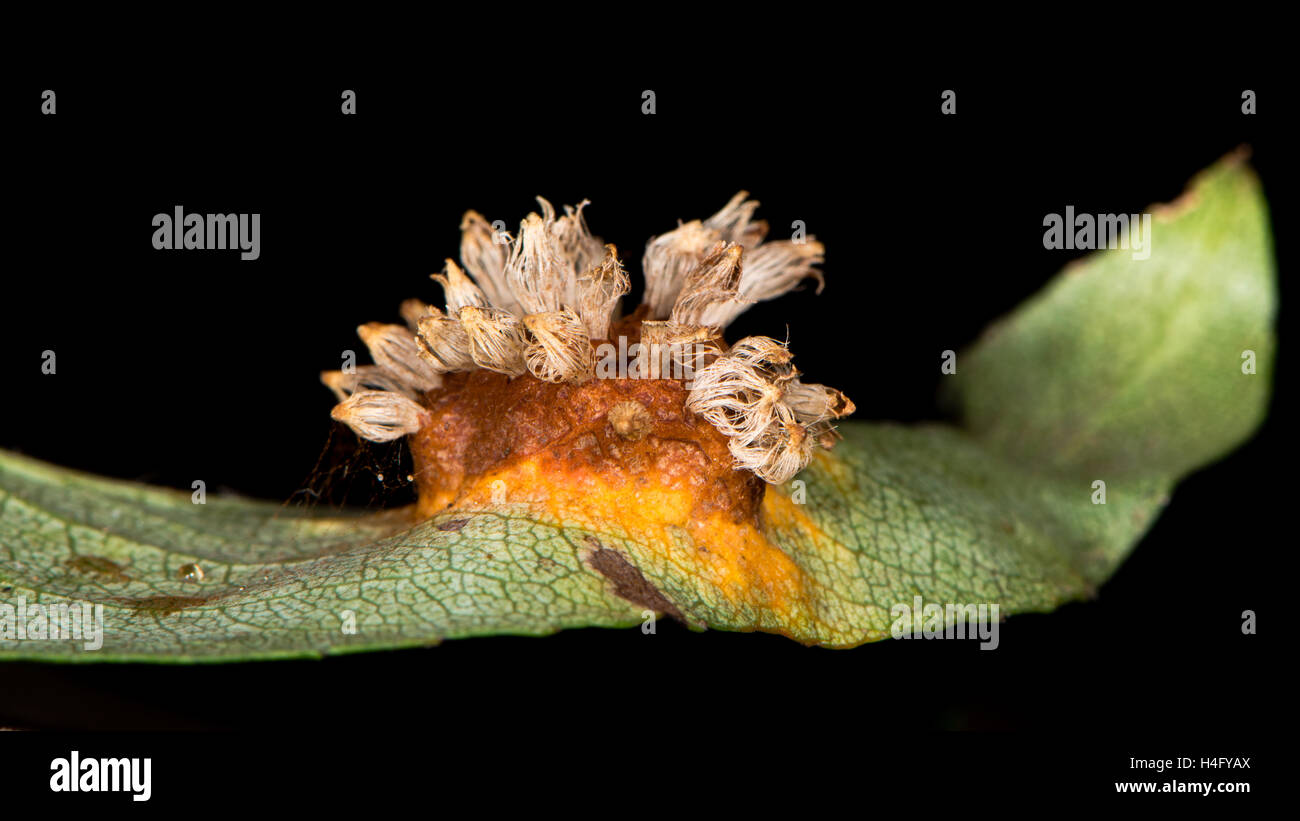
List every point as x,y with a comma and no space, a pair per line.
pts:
1125,371
1134,366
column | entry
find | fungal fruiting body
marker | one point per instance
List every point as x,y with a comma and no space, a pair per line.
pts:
529,369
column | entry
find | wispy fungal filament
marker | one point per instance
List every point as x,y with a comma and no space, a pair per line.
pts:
535,306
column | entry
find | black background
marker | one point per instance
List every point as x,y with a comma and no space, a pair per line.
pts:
175,366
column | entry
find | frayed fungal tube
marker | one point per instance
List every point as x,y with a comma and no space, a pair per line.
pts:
535,305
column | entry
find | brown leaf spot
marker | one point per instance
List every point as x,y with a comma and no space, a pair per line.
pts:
628,581
453,524
162,604
98,566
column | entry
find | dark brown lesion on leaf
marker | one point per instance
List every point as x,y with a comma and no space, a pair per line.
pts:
166,605
162,604
98,566
454,525
629,583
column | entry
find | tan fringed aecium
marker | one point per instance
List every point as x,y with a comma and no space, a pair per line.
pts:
525,356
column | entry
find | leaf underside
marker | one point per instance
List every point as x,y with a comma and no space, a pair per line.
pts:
1123,370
